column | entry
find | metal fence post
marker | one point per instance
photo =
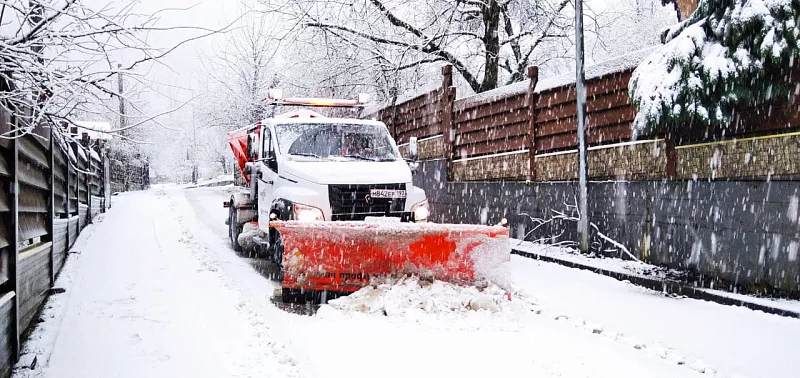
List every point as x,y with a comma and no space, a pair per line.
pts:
77,187
52,211
90,169
533,75
13,274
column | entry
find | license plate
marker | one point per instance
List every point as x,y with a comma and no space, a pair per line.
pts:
387,193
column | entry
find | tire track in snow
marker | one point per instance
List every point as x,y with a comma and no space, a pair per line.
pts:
199,250
651,348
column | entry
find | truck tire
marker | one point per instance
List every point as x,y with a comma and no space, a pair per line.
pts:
233,228
292,296
277,254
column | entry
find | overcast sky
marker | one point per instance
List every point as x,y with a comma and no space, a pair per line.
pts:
177,74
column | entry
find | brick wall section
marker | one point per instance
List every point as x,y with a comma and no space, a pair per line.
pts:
775,157
505,167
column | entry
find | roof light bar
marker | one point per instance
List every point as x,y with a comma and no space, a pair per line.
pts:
277,98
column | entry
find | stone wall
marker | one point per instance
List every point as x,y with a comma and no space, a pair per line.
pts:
429,148
637,161
742,233
504,167
774,157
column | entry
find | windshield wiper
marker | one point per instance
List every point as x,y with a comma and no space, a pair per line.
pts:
306,154
359,157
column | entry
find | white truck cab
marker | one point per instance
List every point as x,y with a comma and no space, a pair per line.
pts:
315,168
307,167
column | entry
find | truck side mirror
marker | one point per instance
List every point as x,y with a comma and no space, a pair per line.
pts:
413,149
272,160
252,146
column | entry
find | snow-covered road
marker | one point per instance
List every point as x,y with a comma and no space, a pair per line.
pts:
142,302
157,291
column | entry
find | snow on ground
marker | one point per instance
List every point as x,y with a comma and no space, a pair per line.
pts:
786,304
609,264
139,303
336,343
735,340
641,269
158,292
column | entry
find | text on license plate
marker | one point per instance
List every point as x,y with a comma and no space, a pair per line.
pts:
387,193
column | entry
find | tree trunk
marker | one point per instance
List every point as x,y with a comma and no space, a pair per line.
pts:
491,40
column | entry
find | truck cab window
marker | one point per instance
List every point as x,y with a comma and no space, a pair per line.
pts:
341,142
267,150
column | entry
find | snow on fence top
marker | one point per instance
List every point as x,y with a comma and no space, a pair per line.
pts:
373,110
95,130
608,67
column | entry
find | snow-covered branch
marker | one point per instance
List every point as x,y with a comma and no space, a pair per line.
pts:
481,39
61,58
570,215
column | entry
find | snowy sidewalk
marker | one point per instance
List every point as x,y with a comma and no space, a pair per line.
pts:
653,277
735,340
142,305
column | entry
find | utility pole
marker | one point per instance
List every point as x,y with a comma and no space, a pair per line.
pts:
580,103
120,90
194,147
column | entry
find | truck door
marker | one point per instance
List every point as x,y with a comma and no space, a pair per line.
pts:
267,179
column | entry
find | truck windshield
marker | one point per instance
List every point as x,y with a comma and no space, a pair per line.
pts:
336,141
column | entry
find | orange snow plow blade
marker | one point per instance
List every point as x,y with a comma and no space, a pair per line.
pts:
345,256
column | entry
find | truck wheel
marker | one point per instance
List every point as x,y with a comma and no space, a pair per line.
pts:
292,296
234,229
277,254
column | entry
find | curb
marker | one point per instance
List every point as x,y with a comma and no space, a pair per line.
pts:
664,286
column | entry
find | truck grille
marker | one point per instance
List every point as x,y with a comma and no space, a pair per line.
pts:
349,202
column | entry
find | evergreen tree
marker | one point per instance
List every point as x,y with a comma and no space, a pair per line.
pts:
728,53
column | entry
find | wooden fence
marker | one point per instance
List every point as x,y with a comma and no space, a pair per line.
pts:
51,189
527,130
126,173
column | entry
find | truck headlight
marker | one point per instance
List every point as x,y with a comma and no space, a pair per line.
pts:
305,213
420,211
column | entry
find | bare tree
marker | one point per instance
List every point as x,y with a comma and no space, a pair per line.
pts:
234,92
61,55
489,42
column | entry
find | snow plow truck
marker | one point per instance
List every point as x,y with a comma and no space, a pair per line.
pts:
330,202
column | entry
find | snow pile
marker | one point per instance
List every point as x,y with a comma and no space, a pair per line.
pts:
612,264
412,297
491,259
